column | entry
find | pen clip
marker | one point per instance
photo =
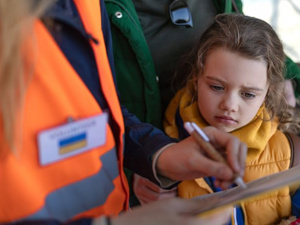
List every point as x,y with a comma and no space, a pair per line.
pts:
200,132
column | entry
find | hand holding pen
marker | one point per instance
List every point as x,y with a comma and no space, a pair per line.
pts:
202,139
185,160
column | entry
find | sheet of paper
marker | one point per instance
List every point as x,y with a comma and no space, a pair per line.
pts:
254,188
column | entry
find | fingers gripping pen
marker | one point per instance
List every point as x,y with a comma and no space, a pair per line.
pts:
204,142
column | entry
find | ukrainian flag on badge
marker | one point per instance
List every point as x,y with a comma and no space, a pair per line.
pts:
72,143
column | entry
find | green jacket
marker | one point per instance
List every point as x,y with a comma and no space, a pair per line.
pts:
136,77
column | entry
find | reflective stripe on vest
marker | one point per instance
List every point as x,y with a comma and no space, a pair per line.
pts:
83,195
78,186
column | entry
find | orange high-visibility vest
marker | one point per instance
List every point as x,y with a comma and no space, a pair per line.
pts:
86,185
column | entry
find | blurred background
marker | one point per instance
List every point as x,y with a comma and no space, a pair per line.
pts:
284,16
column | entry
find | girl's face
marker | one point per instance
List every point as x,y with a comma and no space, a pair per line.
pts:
231,89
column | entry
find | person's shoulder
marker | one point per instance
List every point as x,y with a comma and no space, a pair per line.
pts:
283,145
279,137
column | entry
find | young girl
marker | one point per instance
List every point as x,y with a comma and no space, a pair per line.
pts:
236,85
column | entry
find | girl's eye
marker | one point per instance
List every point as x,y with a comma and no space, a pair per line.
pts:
216,87
248,95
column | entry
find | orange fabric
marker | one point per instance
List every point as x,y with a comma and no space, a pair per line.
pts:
55,93
90,14
92,23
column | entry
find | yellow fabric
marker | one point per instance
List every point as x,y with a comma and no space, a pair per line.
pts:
268,152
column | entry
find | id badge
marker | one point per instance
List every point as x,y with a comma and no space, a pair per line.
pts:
72,138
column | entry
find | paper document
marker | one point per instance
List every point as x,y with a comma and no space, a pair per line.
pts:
254,188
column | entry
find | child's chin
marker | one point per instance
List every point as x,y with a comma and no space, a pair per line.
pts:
226,129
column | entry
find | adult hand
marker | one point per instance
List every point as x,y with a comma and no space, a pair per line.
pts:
186,161
173,211
146,191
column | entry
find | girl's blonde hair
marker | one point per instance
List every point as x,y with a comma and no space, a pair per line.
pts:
16,22
251,38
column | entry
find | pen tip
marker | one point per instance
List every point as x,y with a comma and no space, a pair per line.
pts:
239,181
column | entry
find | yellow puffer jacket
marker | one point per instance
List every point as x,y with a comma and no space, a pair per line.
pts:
268,152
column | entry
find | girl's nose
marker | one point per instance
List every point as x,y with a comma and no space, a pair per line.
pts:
229,103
